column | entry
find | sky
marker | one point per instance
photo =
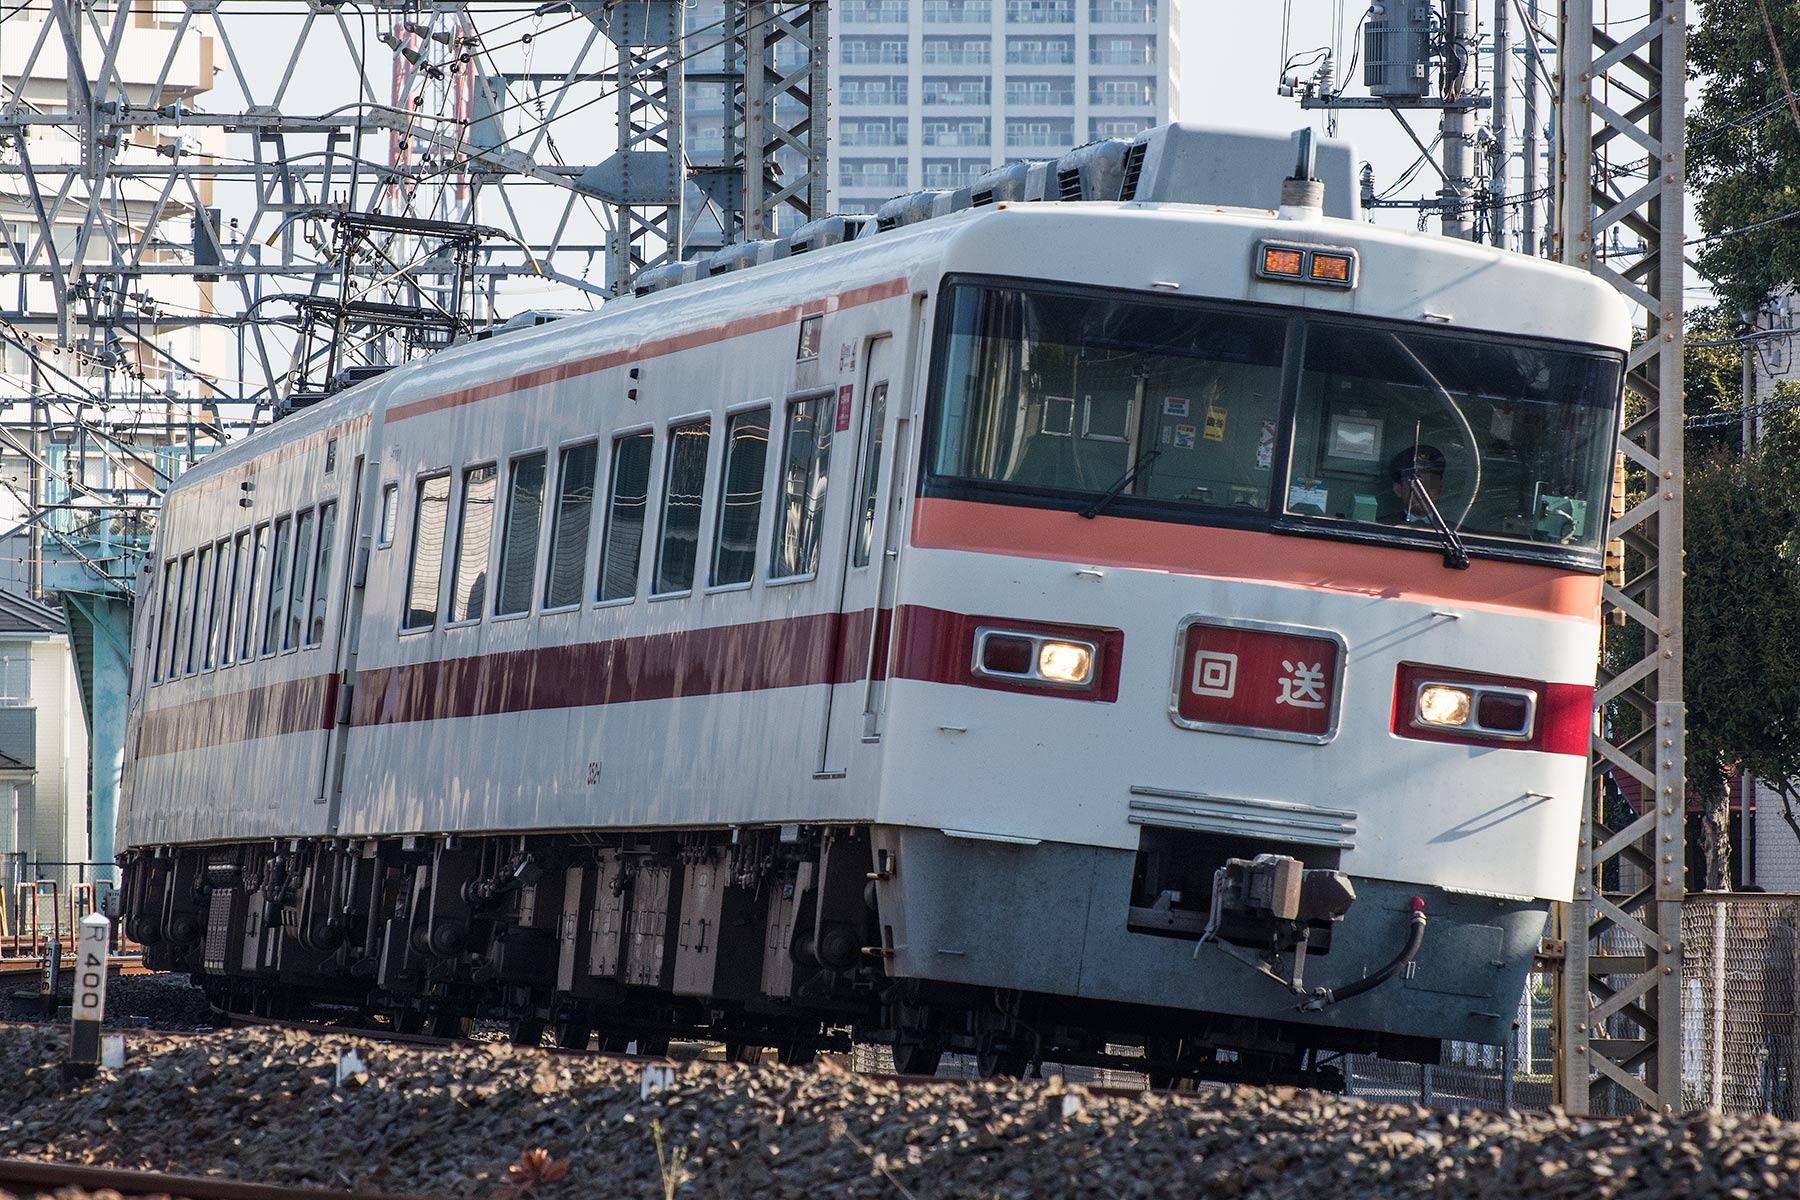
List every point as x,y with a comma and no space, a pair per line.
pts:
1231,63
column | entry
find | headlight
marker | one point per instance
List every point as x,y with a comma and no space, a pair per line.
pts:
1066,662
1035,658
1478,710
1440,704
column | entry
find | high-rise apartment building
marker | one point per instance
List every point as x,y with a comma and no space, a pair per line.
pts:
933,93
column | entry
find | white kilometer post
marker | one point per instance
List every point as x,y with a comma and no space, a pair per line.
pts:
89,1006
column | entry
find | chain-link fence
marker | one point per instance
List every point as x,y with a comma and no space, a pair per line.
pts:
1516,1074
1740,1049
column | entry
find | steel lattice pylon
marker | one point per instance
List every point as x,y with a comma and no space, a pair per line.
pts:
1622,88
783,103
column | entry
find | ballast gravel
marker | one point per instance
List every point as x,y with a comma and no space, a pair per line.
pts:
268,1106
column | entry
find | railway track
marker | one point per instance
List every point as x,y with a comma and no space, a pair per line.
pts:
27,1177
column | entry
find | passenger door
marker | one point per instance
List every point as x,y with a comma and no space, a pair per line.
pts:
859,589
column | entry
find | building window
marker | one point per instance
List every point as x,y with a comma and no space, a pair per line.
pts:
569,534
625,516
474,538
424,574
15,675
805,472
740,501
519,545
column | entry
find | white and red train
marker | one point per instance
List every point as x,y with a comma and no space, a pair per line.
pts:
1040,626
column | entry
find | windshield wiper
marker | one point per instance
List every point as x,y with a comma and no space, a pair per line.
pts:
1456,555
1112,493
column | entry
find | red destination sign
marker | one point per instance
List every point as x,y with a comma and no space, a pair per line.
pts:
1256,680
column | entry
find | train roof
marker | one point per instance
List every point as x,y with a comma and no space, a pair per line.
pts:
1169,248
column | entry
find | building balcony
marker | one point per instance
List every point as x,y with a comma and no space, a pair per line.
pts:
887,138
957,99
874,98
978,12
952,137
1040,98
1039,139
871,12
1121,99
887,181
1111,12
1142,57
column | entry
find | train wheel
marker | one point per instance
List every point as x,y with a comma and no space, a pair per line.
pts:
918,1056
744,1052
994,1061
573,1034
793,1054
408,1022
613,1043
528,1031
448,1023
653,1045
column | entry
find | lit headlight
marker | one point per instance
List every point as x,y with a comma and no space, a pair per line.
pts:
1065,662
1443,705
1475,710
1037,658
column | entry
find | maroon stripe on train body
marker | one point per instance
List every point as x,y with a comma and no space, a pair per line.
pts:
932,646
753,657
293,706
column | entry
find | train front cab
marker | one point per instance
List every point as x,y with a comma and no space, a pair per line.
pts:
1192,582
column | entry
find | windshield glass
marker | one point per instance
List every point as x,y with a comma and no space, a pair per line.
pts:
1069,392
1180,407
1511,441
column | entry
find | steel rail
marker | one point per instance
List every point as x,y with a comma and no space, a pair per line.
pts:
24,1172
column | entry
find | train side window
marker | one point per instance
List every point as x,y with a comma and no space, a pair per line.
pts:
228,627
203,600
424,574
256,593
306,526
165,630
184,616
625,516
865,520
218,598
519,542
390,511
569,532
805,472
281,565
322,569
684,497
474,540
740,498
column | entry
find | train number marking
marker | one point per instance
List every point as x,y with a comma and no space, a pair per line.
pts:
593,773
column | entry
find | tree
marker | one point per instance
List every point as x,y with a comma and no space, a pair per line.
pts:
1743,148
1741,637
